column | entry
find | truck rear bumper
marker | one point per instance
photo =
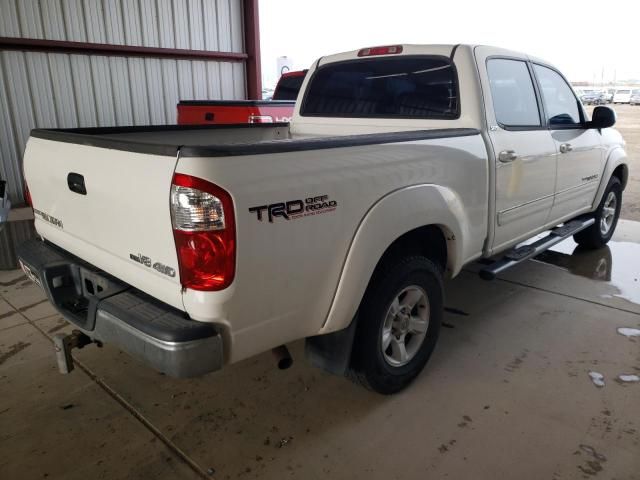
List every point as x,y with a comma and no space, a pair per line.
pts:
111,311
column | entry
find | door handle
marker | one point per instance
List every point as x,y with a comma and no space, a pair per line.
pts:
565,147
507,156
75,181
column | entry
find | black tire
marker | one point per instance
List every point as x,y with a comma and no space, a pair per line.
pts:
594,237
369,367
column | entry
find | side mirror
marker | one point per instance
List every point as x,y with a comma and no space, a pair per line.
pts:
602,117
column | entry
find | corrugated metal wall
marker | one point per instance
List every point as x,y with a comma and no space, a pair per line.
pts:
56,90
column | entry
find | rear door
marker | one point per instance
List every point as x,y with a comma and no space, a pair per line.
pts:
580,152
109,207
525,154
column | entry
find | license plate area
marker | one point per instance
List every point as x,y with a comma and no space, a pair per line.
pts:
76,292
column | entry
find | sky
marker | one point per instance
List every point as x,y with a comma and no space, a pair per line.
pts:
587,40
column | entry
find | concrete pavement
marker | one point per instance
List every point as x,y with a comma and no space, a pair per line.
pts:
507,393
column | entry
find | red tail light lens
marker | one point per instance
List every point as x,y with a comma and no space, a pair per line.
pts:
388,50
27,195
204,231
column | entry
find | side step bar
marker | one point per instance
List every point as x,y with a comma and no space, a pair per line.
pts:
525,252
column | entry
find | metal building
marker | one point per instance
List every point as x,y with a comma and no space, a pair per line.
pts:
84,63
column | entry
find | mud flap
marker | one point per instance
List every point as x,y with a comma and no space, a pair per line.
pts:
332,352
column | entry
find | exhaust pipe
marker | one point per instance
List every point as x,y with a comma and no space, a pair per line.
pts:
283,357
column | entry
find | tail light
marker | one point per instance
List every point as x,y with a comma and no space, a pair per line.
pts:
27,195
388,50
204,231
260,119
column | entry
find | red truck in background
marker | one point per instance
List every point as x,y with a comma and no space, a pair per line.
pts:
279,109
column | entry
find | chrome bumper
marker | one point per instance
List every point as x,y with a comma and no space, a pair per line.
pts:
110,311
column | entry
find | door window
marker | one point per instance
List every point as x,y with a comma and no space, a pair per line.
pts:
514,98
560,103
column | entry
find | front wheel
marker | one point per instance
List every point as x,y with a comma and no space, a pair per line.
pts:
606,218
398,324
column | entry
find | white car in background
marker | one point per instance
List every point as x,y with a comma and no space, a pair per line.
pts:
622,96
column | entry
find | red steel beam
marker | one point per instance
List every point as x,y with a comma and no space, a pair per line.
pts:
252,47
57,46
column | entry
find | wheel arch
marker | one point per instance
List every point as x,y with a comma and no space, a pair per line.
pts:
616,166
622,173
427,219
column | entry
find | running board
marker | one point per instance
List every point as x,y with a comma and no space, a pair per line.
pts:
525,252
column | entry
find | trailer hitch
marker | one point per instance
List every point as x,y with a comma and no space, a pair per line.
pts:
65,343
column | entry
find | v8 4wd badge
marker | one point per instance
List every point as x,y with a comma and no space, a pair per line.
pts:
294,209
157,266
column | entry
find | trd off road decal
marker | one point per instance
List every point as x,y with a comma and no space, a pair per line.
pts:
294,209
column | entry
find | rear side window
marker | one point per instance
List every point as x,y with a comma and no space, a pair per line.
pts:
288,87
514,98
401,87
560,104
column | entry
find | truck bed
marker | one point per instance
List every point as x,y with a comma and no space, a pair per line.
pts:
224,140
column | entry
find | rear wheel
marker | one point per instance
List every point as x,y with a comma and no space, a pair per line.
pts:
606,216
398,324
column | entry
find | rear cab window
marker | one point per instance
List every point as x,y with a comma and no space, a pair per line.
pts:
513,94
423,87
288,87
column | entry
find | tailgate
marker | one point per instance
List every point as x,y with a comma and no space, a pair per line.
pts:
194,112
121,224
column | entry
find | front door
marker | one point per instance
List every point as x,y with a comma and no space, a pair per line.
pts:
580,152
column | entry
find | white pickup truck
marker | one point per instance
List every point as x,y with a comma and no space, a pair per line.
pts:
196,247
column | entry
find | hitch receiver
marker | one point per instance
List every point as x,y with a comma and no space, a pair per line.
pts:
64,344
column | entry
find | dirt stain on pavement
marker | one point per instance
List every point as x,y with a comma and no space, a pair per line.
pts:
466,421
27,307
444,448
517,362
13,350
593,466
59,326
13,282
7,314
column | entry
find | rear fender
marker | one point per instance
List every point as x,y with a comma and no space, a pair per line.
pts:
391,217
